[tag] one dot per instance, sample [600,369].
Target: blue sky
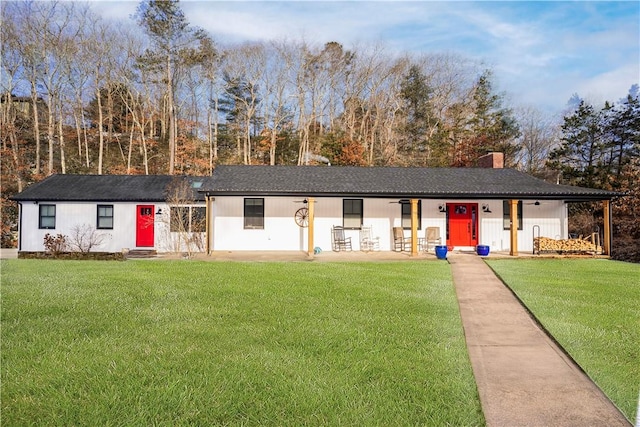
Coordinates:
[541,52]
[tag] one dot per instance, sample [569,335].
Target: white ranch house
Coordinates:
[253,208]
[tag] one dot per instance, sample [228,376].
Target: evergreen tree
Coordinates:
[491,127]
[580,154]
[415,94]
[622,137]
[597,146]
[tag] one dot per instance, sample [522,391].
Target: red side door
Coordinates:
[462,225]
[144,226]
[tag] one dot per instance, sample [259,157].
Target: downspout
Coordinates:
[207,228]
[19,226]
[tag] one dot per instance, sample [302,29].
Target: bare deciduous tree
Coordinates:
[172,36]
[186,221]
[539,136]
[85,237]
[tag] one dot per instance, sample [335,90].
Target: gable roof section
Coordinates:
[313,181]
[391,182]
[105,188]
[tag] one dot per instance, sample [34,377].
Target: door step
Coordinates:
[142,253]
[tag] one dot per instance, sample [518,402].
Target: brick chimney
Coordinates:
[491,160]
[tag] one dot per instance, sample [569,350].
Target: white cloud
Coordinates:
[610,85]
[114,10]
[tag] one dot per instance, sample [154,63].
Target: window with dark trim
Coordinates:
[506,215]
[179,219]
[352,213]
[254,213]
[47,217]
[187,219]
[405,209]
[105,217]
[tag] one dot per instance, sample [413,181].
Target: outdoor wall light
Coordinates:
[159,211]
[442,208]
[485,208]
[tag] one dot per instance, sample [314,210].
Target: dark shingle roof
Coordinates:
[313,181]
[391,182]
[105,188]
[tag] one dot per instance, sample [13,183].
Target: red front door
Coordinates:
[144,226]
[462,224]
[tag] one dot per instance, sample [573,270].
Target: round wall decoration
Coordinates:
[302,217]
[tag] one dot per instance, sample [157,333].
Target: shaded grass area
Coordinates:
[592,307]
[202,343]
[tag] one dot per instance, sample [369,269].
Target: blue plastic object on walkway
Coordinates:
[482,250]
[441,252]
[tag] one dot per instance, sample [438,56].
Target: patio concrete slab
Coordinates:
[524,378]
[8,253]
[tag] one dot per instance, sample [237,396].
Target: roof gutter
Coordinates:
[447,196]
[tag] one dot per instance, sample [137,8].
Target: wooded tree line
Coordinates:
[600,148]
[155,95]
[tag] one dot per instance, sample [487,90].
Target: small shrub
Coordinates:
[55,245]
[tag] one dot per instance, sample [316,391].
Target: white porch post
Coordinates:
[310,228]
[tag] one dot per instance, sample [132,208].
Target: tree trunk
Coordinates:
[247,144]
[36,124]
[215,134]
[100,134]
[86,142]
[172,118]
[76,120]
[130,152]
[63,160]
[272,147]
[10,120]
[50,135]
[143,139]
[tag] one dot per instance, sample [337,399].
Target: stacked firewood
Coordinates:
[546,244]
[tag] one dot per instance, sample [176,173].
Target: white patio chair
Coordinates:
[367,241]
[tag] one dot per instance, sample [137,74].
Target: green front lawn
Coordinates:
[592,307]
[215,343]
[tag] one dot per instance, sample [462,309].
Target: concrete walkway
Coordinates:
[8,253]
[523,377]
